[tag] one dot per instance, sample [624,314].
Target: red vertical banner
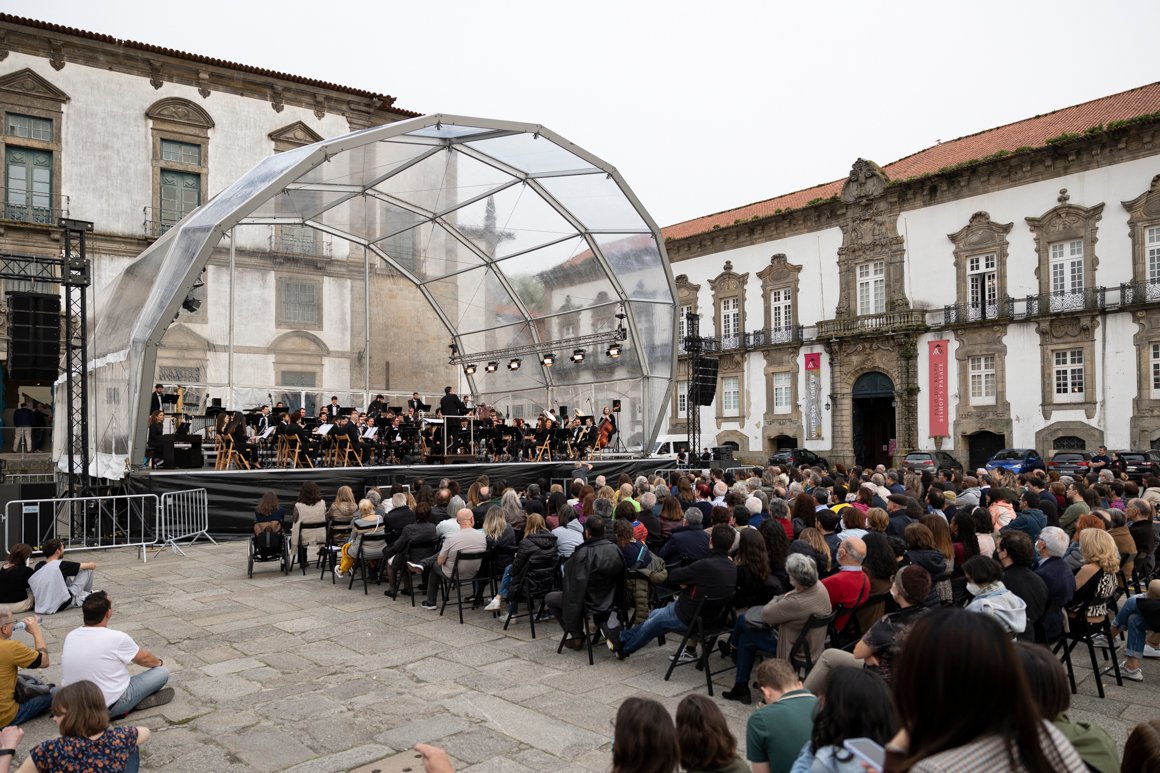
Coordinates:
[939,400]
[814,361]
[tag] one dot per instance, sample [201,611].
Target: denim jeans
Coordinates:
[32,708]
[141,686]
[661,621]
[748,641]
[1128,619]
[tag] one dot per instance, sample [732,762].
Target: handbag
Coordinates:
[28,687]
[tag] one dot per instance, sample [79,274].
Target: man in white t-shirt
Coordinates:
[101,655]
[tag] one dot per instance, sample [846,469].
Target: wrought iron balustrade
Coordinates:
[24,206]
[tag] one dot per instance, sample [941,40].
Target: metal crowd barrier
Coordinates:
[84,523]
[664,472]
[183,515]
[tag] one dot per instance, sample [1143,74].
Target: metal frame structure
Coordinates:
[694,347]
[72,272]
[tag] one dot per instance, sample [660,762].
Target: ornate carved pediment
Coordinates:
[779,272]
[296,133]
[870,232]
[866,180]
[179,110]
[728,281]
[686,291]
[27,82]
[980,233]
[1063,329]
[1066,221]
[1145,206]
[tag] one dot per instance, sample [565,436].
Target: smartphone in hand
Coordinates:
[867,751]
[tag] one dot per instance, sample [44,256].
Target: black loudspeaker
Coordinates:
[563,412]
[706,376]
[34,338]
[616,406]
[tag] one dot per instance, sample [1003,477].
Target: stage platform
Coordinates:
[233,494]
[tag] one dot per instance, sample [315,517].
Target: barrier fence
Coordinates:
[183,515]
[84,523]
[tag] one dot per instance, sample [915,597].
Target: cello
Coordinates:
[604,432]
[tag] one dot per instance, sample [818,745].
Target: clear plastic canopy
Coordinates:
[517,240]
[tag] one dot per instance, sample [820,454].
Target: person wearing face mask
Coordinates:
[992,597]
[878,648]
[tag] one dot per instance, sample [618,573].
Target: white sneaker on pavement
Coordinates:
[1151,652]
[493,605]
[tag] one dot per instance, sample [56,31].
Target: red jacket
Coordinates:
[847,589]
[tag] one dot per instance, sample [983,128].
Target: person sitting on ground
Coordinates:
[776,732]
[644,738]
[367,522]
[704,739]
[1142,750]
[310,508]
[441,566]
[14,656]
[14,576]
[593,579]
[688,542]
[712,579]
[100,654]
[1049,688]
[856,705]
[538,546]
[418,532]
[993,598]
[775,627]
[268,515]
[1137,615]
[878,648]
[948,723]
[58,584]
[86,741]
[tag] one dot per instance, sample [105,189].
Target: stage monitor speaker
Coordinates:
[616,406]
[34,338]
[563,412]
[706,376]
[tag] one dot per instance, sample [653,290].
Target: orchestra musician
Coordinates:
[414,405]
[263,420]
[236,429]
[450,404]
[155,401]
[152,442]
[376,407]
[334,409]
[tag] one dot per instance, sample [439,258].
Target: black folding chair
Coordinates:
[458,581]
[1081,631]
[336,537]
[370,548]
[301,550]
[416,552]
[801,655]
[536,581]
[712,619]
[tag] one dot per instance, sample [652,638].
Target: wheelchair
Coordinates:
[269,546]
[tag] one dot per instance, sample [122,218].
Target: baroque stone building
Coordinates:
[133,137]
[998,290]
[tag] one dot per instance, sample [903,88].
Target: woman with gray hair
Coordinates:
[774,628]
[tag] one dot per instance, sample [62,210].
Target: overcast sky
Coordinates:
[702,106]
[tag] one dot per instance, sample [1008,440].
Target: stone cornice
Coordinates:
[1082,154]
[61,49]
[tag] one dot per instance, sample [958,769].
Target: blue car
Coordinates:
[1016,460]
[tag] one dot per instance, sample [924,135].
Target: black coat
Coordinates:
[537,552]
[688,543]
[714,577]
[398,518]
[594,575]
[412,532]
[1029,586]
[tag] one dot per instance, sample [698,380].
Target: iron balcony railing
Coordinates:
[1088,299]
[23,206]
[773,337]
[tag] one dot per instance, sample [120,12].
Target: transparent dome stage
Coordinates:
[391,260]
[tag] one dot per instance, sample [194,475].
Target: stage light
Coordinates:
[191,304]
[548,360]
[578,355]
[469,369]
[515,363]
[491,367]
[614,351]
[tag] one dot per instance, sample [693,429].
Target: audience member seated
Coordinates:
[1137,616]
[344,508]
[949,723]
[310,508]
[776,732]
[398,515]
[856,705]
[58,584]
[569,533]
[86,741]
[14,575]
[849,586]
[1058,578]
[99,654]
[688,542]
[1052,694]
[268,515]
[1142,751]
[1017,557]
[367,522]
[422,530]
[755,585]
[775,627]
[593,577]
[441,566]
[644,569]
[644,739]
[992,597]
[14,656]
[538,545]
[703,736]
[713,578]
[1096,579]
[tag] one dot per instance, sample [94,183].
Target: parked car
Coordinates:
[796,457]
[1016,460]
[1141,464]
[932,461]
[1077,464]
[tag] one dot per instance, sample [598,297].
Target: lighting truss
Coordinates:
[592,341]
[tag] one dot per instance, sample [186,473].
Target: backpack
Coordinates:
[29,686]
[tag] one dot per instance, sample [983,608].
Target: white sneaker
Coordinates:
[338,573]
[685,656]
[1131,674]
[493,605]
[1151,652]
[415,568]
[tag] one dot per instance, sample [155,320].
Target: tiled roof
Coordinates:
[1028,133]
[386,101]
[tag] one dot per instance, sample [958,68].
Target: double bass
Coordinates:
[604,432]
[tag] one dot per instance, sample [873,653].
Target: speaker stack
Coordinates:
[34,338]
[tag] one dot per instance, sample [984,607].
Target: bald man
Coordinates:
[466,539]
[849,586]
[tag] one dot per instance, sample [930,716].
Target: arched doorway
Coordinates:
[981,446]
[873,419]
[783,443]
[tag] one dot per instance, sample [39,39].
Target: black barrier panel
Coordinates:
[233,494]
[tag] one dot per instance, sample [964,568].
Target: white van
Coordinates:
[667,446]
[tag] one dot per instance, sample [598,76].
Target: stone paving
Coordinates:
[291,673]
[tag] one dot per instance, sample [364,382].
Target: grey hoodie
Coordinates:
[1003,605]
[968,497]
[569,537]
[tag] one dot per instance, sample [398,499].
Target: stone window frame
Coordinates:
[677,423]
[26,92]
[176,120]
[729,285]
[688,294]
[732,365]
[1045,438]
[1152,372]
[1066,222]
[288,137]
[978,238]
[1060,333]
[298,351]
[871,277]
[778,276]
[1143,214]
[1067,360]
[724,405]
[771,381]
[983,399]
[280,319]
